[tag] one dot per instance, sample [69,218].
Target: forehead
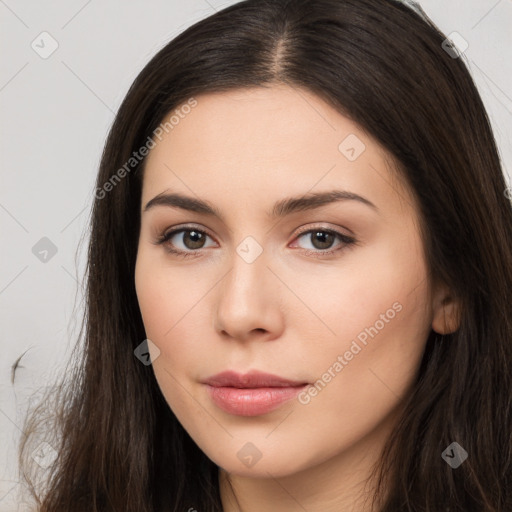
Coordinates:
[266,140]
[245,120]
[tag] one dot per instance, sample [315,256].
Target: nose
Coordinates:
[248,301]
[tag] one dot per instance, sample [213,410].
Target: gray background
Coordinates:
[56,112]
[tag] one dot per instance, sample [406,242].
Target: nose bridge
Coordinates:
[246,299]
[247,278]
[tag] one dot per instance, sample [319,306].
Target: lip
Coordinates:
[252,393]
[252,379]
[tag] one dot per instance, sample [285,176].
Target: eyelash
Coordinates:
[164,238]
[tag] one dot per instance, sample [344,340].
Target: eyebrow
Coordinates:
[280,209]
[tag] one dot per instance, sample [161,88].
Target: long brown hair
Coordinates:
[120,447]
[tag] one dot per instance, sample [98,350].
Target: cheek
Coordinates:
[362,373]
[153,301]
[164,293]
[372,322]
[165,319]
[170,305]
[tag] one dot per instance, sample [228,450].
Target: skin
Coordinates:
[288,312]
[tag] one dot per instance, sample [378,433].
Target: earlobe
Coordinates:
[446,313]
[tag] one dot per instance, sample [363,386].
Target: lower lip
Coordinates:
[251,401]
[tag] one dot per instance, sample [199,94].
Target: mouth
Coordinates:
[251,394]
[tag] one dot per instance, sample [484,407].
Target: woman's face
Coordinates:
[278,276]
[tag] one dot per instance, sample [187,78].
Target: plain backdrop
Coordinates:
[56,111]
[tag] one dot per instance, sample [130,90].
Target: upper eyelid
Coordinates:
[192,227]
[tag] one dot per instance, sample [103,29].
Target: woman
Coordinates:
[227,365]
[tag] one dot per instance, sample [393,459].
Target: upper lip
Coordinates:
[252,379]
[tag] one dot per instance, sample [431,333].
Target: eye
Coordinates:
[183,241]
[186,241]
[322,239]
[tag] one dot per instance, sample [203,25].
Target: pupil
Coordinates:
[325,239]
[196,244]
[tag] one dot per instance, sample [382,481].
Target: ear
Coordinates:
[446,311]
